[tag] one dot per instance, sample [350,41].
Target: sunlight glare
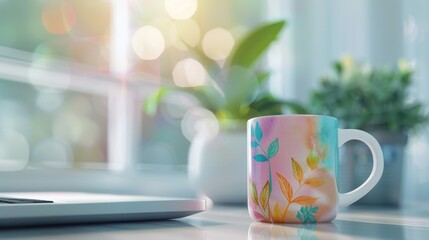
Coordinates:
[148,43]
[181,9]
[218,43]
[59,19]
[189,73]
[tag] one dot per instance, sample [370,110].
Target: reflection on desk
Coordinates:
[307,231]
[234,223]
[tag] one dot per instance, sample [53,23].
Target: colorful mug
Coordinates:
[293,168]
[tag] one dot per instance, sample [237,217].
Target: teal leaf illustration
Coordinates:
[254,144]
[258,132]
[273,148]
[305,214]
[252,131]
[260,158]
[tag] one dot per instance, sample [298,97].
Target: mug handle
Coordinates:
[345,135]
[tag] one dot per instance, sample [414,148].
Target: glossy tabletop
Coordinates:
[234,223]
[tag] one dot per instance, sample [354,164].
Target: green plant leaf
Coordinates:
[354,96]
[252,46]
[260,158]
[150,105]
[208,97]
[258,132]
[267,104]
[273,148]
[240,88]
[262,77]
[254,144]
[210,65]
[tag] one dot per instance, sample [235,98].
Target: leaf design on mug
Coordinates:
[298,174]
[260,158]
[285,187]
[277,215]
[312,160]
[305,214]
[315,181]
[265,195]
[253,192]
[258,216]
[305,200]
[273,149]
[258,132]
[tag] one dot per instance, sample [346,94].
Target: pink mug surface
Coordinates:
[293,169]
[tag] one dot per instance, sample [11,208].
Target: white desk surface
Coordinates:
[234,223]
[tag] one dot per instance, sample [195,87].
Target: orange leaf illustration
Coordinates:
[253,192]
[312,160]
[265,195]
[315,181]
[297,171]
[285,187]
[277,215]
[305,200]
[323,152]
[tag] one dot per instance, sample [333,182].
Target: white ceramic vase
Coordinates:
[217,166]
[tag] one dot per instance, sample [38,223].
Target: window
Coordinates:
[74,74]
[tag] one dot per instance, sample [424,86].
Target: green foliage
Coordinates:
[364,97]
[255,44]
[237,89]
[305,214]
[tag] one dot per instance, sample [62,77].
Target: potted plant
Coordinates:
[236,92]
[376,100]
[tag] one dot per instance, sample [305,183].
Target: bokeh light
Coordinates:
[39,73]
[181,9]
[93,18]
[49,101]
[218,43]
[183,33]
[59,18]
[148,43]
[189,73]
[80,130]
[178,103]
[52,153]
[14,150]
[199,121]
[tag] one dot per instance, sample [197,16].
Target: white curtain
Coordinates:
[378,32]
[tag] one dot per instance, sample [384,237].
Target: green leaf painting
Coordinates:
[258,132]
[305,214]
[273,148]
[260,158]
[254,144]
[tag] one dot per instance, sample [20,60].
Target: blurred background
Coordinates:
[75,74]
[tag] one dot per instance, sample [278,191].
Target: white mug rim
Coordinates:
[293,116]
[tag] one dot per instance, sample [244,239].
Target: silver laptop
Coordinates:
[29,209]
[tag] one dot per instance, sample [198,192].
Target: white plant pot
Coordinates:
[217,166]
